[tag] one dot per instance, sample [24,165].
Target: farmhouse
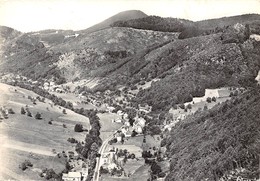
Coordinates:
[72,176]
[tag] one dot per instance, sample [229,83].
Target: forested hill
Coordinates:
[187,28]
[210,144]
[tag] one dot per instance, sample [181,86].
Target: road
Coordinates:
[99,159]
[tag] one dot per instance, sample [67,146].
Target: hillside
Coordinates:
[77,57]
[211,144]
[187,28]
[122,16]
[23,137]
[201,62]
[123,56]
[152,69]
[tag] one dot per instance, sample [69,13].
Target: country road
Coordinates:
[99,159]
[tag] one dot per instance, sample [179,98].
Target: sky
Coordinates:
[34,15]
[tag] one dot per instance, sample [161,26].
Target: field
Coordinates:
[107,127]
[23,137]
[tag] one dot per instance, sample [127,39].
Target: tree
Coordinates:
[134,133]
[214,99]
[155,130]
[182,106]
[22,111]
[189,106]
[64,111]
[155,168]
[78,128]
[208,99]
[38,116]
[10,111]
[29,114]
[205,107]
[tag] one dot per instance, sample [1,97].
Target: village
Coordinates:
[126,146]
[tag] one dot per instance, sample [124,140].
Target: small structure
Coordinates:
[72,176]
[120,113]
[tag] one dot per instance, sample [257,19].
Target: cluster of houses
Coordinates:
[52,87]
[79,171]
[127,129]
[76,175]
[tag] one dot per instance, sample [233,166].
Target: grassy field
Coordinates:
[23,137]
[107,127]
[138,141]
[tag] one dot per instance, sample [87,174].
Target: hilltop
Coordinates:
[122,16]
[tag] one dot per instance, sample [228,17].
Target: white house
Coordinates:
[120,113]
[71,176]
[125,116]
[139,121]
[110,108]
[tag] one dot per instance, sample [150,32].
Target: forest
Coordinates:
[210,144]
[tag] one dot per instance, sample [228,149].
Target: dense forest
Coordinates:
[214,142]
[155,23]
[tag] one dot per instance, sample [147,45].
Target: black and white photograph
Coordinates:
[129,90]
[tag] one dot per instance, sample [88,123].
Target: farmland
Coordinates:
[37,140]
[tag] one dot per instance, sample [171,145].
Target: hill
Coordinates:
[213,144]
[122,16]
[7,33]
[23,137]
[187,28]
[160,63]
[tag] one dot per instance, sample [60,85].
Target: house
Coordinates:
[71,176]
[128,133]
[107,92]
[139,122]
[59,90]
[110,109]
[145,108]
[84,173]
[118,120]
[127,123]
[120,113]
[125,116]
[138,129]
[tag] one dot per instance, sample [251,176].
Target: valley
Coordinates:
[135,97]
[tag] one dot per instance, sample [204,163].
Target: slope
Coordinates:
[122,16]
[211,144]
[187,67]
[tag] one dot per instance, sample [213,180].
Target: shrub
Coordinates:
[189,106]
[214,99]
[205,107]
[182,106]
[134,133]
[156,169]
[64,111]
[72,140]
[208,99]
[24,165]
[22,111]
[38,116]
[161,174]
[10,111]
[78,128]
[29,114]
